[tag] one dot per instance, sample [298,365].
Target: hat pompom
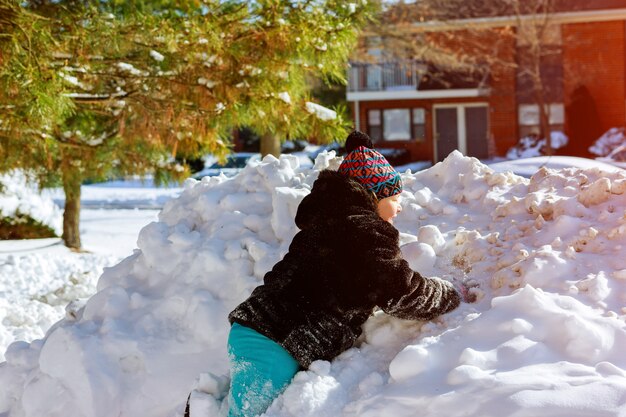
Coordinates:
[357,139]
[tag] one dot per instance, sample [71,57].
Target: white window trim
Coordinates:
[416,94]
[553,108]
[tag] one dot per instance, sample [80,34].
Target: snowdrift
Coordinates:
[19,196]
[545,337]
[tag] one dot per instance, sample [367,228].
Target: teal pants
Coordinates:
[260,370]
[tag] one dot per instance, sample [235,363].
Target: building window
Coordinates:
[419,124]
[530,124]
[375,125]
[397,124]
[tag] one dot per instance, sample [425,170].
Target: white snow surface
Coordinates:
[39,277]
[545,337]
[130,193]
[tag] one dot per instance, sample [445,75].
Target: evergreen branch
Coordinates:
[82,144]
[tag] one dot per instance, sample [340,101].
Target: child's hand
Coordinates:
[465,289]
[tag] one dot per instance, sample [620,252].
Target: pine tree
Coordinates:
[92,89]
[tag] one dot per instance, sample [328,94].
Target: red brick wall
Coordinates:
[502,102]
[593,58]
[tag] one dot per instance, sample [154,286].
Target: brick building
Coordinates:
[585,86]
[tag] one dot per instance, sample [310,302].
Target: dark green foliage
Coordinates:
[23,227]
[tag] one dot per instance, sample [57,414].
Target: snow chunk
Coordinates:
[156,56]
[284,96]
[321,112]
[124,66]
[421,256]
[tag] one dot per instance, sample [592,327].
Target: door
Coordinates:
[476,131]
[463,127]
[446,132]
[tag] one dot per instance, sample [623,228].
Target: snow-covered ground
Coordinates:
[39,277]
[132,193]
[545,337]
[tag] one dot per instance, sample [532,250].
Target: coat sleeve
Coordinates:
[423,299]
[402,292]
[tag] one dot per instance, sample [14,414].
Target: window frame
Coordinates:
[557,119]
[377,131]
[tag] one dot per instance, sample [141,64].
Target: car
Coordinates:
[395,156]
[234,164]
[526,167]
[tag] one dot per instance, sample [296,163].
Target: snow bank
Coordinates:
[611,139]
[19,195]
[531,146]
[544,337]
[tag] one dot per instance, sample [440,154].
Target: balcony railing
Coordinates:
[385,76]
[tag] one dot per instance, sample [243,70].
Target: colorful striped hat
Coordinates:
[369,167]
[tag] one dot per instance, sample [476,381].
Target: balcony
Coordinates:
[398,80]
[385,76]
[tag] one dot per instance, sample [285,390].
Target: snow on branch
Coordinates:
[320,112]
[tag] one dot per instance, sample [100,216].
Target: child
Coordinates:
[344,262]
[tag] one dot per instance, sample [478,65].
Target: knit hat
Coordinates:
[369,167]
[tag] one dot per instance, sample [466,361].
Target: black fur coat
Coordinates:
[344,262]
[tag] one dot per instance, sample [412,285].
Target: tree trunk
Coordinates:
[71,213]
[270,144]
[544,121]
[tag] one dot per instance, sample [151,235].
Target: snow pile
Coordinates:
[543,338]
[19,196]
[530,146]
[611,139]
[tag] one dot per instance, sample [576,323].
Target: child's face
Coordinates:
[389,207]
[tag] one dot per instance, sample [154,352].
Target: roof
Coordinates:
[490,14]
[477,9]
